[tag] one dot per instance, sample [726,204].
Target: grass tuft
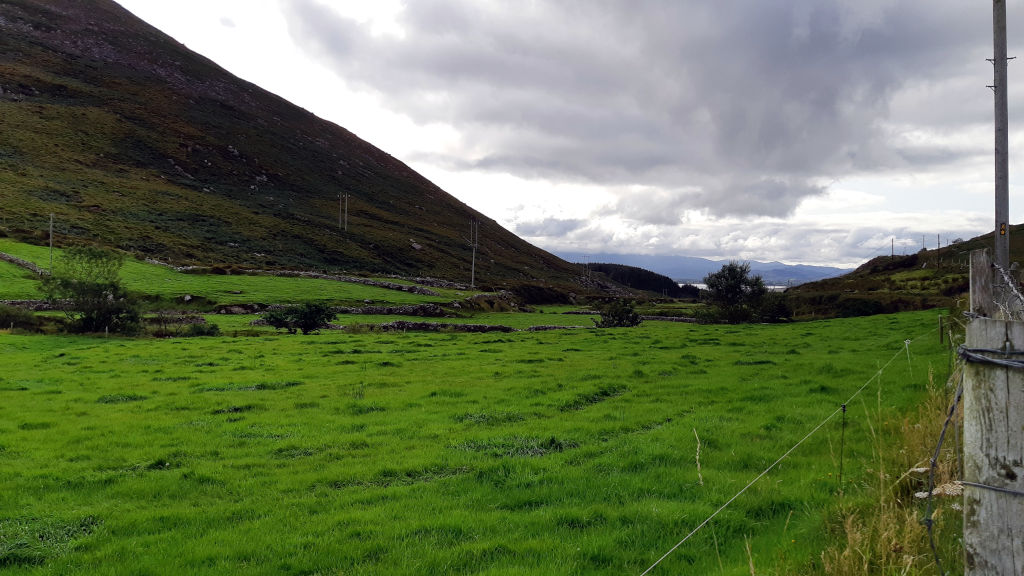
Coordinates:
[588,399]
[120,398]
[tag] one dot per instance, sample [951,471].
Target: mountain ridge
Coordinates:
[691,269]
[134,142]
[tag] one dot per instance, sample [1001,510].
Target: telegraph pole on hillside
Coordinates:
[474,242]
[1002,179]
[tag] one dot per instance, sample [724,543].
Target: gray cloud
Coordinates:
[550,227]
[768,240]
[733,108]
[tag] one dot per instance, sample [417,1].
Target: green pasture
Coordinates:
[161,281]
[231,324]
[17,283]
[565,452]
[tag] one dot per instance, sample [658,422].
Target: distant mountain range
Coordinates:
[691,269]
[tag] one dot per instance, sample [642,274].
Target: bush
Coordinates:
[618,314]
[202,330]
[280,318]
[173,324]
[307,317]
[851,307]
[774,308]
[12,317]
[85,284]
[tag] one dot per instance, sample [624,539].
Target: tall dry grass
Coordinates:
[881,531]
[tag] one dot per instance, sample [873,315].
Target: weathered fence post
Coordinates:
[982,302]
[994,450]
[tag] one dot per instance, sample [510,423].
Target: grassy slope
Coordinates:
[134,142]
[927,279]
[17,283]
[569,453]
[156,280]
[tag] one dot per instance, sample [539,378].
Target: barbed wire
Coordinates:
[966,355]
[928,521]
[1009,301]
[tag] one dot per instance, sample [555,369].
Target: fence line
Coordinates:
[877,374]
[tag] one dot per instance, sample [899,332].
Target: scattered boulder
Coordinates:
[423,310]
[240,308]
[407,326]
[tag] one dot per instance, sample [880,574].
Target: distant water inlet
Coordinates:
[702,286]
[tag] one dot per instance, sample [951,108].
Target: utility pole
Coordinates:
[51,243]
[474,241]
[1002,143]
[343,209]
[993,398]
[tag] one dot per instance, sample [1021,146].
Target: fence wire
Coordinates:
[877,375]
[1009,301]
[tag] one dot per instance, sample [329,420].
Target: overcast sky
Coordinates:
[805,131]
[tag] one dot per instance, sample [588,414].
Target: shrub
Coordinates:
[172,324]
[12,317]
[279,318]
[307,317]
[202,330]
[85,284]
[618,314]
[850,307]
[774,308]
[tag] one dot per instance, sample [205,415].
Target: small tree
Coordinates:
[85,283]
[307,317]
[618,314]
[734,295]
[280,318]
[774,308]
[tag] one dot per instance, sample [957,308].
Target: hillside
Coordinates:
[927,279]
[645,280]
[134,142]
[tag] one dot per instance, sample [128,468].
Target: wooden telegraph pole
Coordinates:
[1002,143]
[994,374]
[474,242]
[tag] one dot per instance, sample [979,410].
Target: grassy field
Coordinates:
[568,452]
[161,281]
[17,283]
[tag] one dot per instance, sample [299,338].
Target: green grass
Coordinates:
[155,280]
[17,283]
[242,323]
[569,452]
